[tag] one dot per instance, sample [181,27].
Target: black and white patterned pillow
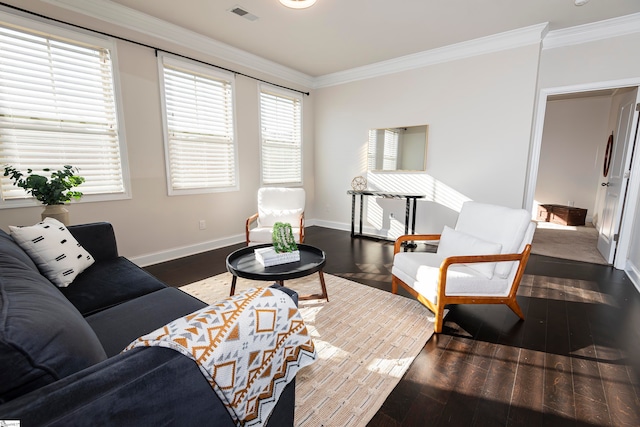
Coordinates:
[55,251]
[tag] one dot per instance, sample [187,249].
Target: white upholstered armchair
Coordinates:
[481,261]
[276,204]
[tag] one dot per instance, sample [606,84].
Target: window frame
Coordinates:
[265,87]
[71,36]
[212,72]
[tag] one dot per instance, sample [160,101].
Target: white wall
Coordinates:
[479,112]
[575,134]
[152,226]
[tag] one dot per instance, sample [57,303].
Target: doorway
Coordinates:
[571,132]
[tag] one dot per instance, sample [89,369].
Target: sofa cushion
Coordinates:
[420,271]
[499,224]
[108,283]
[454,243]
[42,336]
[118,326]
[52,247]
[280,205]
[10,248]
[259,235]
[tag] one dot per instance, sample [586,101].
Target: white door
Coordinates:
[616,181]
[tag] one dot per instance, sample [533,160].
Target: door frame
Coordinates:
[633,188]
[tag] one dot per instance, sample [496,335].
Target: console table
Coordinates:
[388,195]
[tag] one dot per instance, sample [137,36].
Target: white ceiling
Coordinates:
[338,35]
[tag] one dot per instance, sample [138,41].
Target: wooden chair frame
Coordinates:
[443,299]
[253,218]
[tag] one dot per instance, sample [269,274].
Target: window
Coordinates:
[390,152]
[199,127]
[57,107]
[372,150]
[281,132]
[383,141]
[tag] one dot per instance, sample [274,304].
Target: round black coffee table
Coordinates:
[243,263]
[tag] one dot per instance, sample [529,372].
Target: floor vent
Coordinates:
[238,10]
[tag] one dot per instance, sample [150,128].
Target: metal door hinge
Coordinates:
[615,237]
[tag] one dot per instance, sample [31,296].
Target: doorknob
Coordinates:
[605,184]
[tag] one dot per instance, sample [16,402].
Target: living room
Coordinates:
[482,101]
[501,93]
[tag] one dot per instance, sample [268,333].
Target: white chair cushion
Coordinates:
[276,204]
[420,271]
[264,235]
[454,243]
[498,224]
[55,251]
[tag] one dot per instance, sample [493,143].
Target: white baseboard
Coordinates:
[634,274]
[180,252]
[184,251]
[332,224]
[369,231]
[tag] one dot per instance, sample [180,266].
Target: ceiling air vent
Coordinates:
[240,11]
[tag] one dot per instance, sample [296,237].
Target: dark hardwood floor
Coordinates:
[575,360]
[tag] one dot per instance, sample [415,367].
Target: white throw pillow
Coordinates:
[454,243]
[55,251]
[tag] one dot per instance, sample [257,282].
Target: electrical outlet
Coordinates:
[202,224]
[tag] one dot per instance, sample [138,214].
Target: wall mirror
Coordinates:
[398,149]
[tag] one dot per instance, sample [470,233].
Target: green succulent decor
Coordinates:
[282,237]
[53,190]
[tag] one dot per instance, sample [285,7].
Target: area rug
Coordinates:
[365,338]
[578,243]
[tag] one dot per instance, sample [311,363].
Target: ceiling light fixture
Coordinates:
[298,4]
[580,2]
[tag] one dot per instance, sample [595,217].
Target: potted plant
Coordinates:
[53,191]
[284,249]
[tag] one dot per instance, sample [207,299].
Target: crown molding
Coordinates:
[502,41]
[117,14]
[600,30]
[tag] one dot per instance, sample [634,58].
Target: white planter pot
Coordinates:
[58,212]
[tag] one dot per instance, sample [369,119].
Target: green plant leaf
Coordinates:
[53,190]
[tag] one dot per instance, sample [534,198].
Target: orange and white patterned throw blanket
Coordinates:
[248,346]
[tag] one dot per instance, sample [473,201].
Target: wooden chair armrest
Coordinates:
[467,259]
[412,237]
[251,219]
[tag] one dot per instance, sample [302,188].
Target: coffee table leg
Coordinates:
[233,285]
[324,287]
[324,293]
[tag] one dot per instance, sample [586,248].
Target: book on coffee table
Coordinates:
[269,257]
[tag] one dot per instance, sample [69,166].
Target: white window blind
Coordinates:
[200,144]
[390,153]
[281,129]
[57,107]
[372,150]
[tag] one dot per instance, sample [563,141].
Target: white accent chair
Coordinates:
[481,261]
[276,204]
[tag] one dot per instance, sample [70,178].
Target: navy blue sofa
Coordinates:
[60,348]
